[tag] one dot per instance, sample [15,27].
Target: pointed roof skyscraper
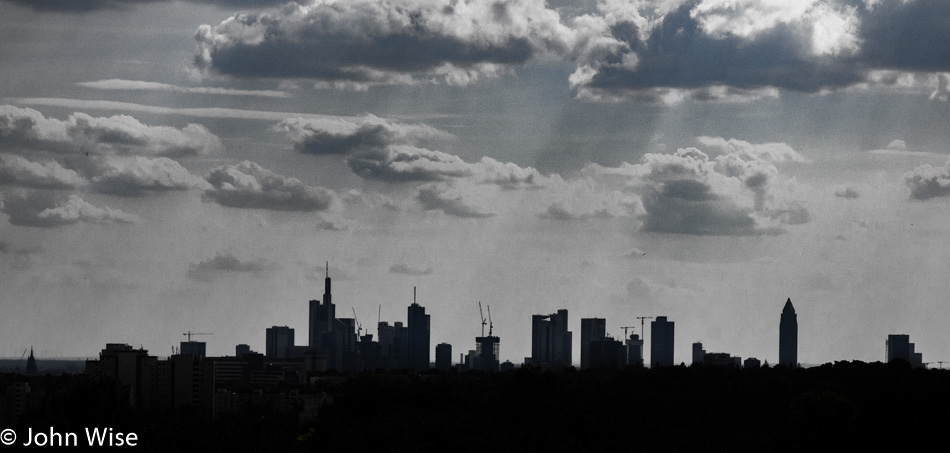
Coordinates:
[788,336]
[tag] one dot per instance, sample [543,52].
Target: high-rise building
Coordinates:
[241,349]
[591,329]
[418,325]
[443,356]
[195,348]
[788,336]
[393,345]
[698,353]
[900,347]
[321,316]
[661,339]
[550,340]
[279,341]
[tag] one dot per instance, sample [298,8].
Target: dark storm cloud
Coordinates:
[248,185]
[47,210]
[678,53]
[432,198]
[406,269]
[367,42]
[926,182]
[909,36]
[224,263]
[714,49]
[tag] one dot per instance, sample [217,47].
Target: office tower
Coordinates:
[321,316]
[241,349]
[788,336]
[591,329]
[635,350]
[698,353]
[900,347]
[279,340]
[195,348]
[661,339]
[550,340]
[418,324]
[393,345]
[443,356]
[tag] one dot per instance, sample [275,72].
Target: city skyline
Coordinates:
[178,166]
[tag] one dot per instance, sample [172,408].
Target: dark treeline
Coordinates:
[844,406]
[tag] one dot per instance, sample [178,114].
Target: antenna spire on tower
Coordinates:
[328,269]
[413,295]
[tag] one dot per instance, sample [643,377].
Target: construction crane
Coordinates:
[940,363]
[190,333]
[359,327]
[20,362]
[482,315]
[625,330]
[642,323]
[490,325]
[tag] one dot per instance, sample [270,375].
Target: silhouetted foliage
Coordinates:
[841,406]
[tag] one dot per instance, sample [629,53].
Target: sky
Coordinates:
[192,165]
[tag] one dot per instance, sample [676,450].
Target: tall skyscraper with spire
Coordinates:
[788,336]
[418,327]
[322,315]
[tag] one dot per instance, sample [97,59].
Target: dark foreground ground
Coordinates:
[846,406]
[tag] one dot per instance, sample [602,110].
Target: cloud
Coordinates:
[928,182]
[120,134]
[389,151]
[17,171]
[362,43]
[718,49]
[47,210]
[204,112]
[224,263]
[86,6]
[449,199]
[847,192]
[138,85]
[248,185]
[775,153]
[406,269]
[347,136]
[136,176]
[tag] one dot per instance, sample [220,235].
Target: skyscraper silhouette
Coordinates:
[592,329]
[788,336]
[550,340]
[661,342]
[278,341]
[418,325]
[321,316]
